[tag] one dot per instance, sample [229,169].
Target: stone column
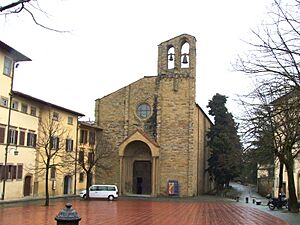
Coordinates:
[121,176]
[154,176]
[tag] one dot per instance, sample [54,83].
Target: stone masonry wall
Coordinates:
[109,114]
[142,91]
[116,115]
[174,134]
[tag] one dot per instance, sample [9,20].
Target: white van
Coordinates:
[101,191]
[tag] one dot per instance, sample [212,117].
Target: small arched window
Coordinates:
[185,57]
[171,58]
[143,110]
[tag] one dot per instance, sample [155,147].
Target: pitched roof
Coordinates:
[14,54]
[204,113]
[145,135]
[145,77]
[295,92]
[90,124]
[20,94]
[179,36]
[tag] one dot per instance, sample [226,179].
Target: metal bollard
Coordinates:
[68,216]
[237,198]
[247,199]
[253,201]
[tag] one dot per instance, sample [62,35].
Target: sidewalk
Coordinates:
[253,197]
[33,200]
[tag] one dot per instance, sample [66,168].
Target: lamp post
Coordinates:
[8,127]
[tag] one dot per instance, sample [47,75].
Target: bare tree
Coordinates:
[274,62]
[51,153]
[29,7]
[281,118]
[274,57]
[95,158]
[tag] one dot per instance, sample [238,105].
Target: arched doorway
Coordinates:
[139,159]
[137,165]
[67,185]
[27,185]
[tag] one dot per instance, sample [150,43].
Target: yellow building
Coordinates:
[285,178]
[155,130]
[88,140]
[287,128]
[15,158]
[22,119]
[62,123]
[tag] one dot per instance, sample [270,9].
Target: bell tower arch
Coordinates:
[180,51]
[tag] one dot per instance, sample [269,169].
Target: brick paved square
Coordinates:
[140,212]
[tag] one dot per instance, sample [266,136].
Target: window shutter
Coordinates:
[81,177]
[34,140]
[7,66]
[80,156]
[16,137]
[20,171]
[1,172]
[9,135]
[81,137]
[2,133]
[52,171]
[7,170]
[57,141]
[51,142]
[22,138]
[28,139]
[67,146]
[92,137]
[85,137]
[91,157]
[13,172]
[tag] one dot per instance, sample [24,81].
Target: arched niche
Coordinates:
[185,55]
[171,57]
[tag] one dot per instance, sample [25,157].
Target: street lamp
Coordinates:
[8,127]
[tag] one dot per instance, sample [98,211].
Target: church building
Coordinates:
[155,130]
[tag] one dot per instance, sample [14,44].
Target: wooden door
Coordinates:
[27,186]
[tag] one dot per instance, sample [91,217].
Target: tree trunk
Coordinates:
[46,186]
[280,177]
[88,184]
[293,202]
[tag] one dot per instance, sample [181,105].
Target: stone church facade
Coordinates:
[155,130]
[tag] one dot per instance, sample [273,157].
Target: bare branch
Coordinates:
[13,5]
[30,7]
[41,25]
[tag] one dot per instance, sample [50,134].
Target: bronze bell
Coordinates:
[171,57]
[184,60]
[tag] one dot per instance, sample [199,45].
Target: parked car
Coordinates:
[101,191]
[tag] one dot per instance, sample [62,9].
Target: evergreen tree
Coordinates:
[226,154]
[260,148]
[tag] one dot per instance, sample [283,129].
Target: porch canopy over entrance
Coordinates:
[138,165]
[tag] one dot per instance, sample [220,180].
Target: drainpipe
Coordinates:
[76,152]
[75,177]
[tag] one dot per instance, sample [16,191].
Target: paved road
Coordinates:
[250,192]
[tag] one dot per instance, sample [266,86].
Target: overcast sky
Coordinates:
[114,43]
